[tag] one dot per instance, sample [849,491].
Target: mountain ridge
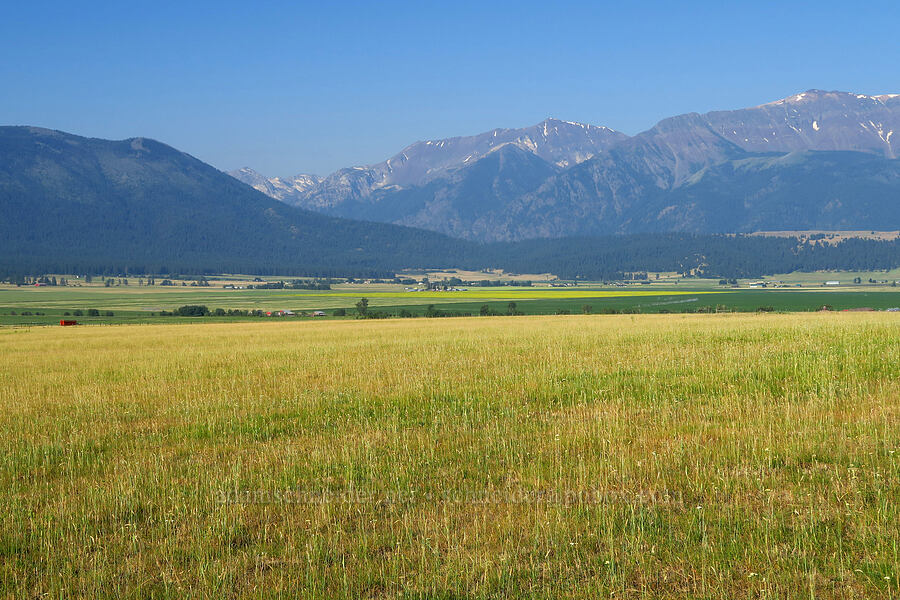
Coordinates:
[85,205]
[610,190]
[560,142]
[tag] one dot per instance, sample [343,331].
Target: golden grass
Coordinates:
[715,456]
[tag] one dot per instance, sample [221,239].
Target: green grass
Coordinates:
[138,305]
[737,300]
[845,277]
[634,456]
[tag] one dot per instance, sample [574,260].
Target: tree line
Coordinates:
[588,258]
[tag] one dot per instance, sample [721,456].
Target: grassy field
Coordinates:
[628,456]
[133,304]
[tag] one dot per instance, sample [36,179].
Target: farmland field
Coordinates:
[133,304]
[629,456]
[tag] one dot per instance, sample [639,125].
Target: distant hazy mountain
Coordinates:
[280,188]
[561,143]
[800,190]
[455,202]
[724,171]
[661,180]
[88,205]
[677,147]
[815,120]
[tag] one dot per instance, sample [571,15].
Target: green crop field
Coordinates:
[133,304]
[845,278]
[500,294]
[584,456]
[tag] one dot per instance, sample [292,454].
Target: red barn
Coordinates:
[65,323]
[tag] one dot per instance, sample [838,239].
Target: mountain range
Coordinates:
[71,204]
[817,159]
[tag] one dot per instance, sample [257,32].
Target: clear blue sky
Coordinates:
[309,87]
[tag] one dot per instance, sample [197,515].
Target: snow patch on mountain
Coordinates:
[280,188]
[673,150]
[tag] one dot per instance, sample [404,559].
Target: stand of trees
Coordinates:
[596,258]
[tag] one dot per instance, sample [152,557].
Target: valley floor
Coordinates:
[120,304]
[635,456]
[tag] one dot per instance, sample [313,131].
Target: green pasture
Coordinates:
[132,304]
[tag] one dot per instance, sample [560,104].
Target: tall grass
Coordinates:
[715,456]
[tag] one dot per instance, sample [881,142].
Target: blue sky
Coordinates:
[310,87]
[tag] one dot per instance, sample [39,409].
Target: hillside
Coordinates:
[800,190]
[455,203]
[87,204]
